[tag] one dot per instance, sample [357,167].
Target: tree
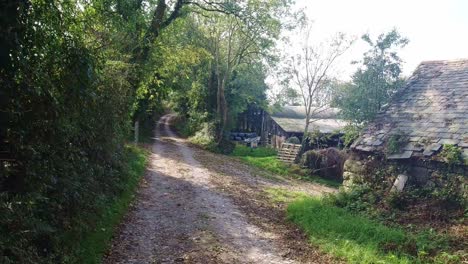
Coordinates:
[310,71]
[244,19]
[235,41]
[376,80]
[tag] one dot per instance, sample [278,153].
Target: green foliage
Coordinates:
[452,154]
[451,190]
[375,81]
[401,209]
[311,159]
[280,195]
[73,77]
[396,142]
[265,159]
[205,137]
[96,241]
[67,107]
[359,198]
[352,237]
[244,151]
[351,133]
[396,200]
[357,239]
[247,87]
[293,140]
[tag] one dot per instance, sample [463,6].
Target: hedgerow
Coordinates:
[65,116]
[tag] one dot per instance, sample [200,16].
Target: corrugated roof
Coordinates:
[299,112]
[430,111]
[298,124]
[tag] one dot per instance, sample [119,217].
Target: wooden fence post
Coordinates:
[137,130]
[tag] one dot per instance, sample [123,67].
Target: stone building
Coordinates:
[421,134]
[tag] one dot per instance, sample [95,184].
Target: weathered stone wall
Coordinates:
[354,171]
[380,173]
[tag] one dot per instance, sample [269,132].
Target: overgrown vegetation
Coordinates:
[95,241]
[266,159]
[338,227]
[317,140]
[452,154]
[328,163]
[438,207]
[396,142]
[86,237]
[351,133]
[358,239]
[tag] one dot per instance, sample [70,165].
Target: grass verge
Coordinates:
[358,239]
[95,243]
[265,158]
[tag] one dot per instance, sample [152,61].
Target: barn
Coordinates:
[289,121]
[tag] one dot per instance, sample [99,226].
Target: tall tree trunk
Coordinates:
[304,139]
[222,106]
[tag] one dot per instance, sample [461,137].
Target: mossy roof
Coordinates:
[430,111]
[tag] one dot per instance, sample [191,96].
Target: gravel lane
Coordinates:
[189,209]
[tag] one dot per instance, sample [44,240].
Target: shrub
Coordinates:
[205,137]
[357,198]
[225,146]
[311,159]
[66,119]
[396,142]
[351,133]
[451,190]
[189,125]
[293,140]
[326,162]
[452,154]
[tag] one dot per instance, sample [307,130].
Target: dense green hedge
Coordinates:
[65,117]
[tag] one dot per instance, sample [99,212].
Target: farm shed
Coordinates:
[287,122]
[423,132]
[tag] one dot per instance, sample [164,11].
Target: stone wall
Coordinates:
[354,170]
[379,173]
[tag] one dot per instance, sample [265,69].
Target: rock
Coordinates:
[404,155]
[348,175]
[399,183]
[354,166]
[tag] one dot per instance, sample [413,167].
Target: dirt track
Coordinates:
[197,207]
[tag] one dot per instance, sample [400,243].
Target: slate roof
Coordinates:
[292,119]
[430,111]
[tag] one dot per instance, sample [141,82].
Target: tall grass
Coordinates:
[358,239]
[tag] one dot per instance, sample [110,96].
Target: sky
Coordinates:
[437,30]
